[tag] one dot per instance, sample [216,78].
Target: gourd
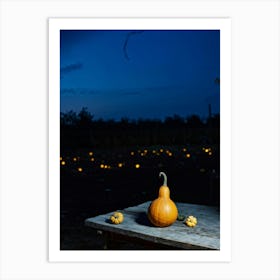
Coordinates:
[117,218]
[191,221]
[163,212]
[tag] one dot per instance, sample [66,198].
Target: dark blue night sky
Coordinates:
[140,74]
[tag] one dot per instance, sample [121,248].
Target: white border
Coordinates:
[222,24]
[255,101]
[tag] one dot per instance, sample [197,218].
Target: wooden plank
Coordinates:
[206,235]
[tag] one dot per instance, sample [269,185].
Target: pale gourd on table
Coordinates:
[191,221]
[117,218]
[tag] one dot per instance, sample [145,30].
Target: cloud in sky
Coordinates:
[70,68]
[119,92]
[132,33]
[77,91]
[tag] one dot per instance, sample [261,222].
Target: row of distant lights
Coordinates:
[137,165]
[158,153]
[103,166]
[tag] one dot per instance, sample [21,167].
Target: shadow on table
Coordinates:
[142,219]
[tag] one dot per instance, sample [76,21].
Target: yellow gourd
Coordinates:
[191,221]
[162,211]
[117,218]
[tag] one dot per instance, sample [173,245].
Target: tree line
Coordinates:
[82,131]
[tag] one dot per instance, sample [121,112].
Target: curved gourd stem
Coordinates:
[164,178]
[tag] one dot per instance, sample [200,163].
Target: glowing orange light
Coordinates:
[90,153]
[63,163]
[92,159]
[60,158]
[102,165]
[120,165]
[74,159]
[184,150]
[210,153]
[137,165]
[80,169]
[188,155]
[132,153]
[153,151]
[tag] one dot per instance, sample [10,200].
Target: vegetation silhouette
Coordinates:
[82,130]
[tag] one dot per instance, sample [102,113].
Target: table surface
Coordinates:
[206,234]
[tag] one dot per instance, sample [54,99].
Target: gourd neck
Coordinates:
[164,190]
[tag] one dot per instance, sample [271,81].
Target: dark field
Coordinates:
[98,181]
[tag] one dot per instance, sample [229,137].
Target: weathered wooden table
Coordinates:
[137,227]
